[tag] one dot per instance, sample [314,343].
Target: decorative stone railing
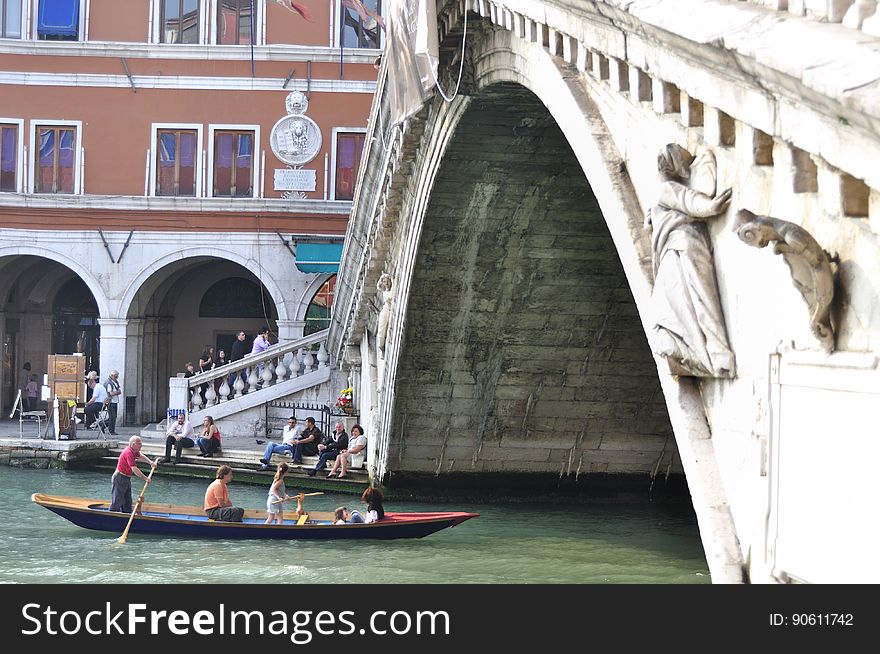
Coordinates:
[279,363]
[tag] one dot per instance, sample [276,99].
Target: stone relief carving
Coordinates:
[810,265]
[384,286]
[296,138]
[689,330]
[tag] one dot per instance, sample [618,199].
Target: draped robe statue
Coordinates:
[689,329]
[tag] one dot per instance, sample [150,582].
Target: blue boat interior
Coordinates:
[203,518]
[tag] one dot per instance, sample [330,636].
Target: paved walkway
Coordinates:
[10,429]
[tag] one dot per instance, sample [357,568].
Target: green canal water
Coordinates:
[515,543]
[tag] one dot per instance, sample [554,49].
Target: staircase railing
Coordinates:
[278,363]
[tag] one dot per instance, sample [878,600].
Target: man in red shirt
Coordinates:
[120,493]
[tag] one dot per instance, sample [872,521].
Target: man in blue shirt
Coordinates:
[96,402]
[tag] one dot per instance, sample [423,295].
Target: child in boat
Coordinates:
[277,495]
[340,515]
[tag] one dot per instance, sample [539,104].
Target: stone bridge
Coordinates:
[498,306]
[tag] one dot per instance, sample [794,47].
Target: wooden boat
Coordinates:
[191,521]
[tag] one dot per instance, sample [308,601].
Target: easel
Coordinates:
[30,415]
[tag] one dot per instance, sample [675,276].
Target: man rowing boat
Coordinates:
[126,466]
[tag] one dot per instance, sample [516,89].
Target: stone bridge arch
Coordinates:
[597,404]
[792,137]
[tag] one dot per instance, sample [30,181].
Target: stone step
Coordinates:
[241,459]
[296,479]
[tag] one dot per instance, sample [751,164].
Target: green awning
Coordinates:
[318,257]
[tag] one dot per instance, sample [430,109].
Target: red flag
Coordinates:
[364,12]
[298,7]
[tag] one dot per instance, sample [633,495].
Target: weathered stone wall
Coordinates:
[523,349]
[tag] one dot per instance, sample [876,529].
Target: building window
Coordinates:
[234,24]
[176,161]
[233,164]
[58,20]
[359,25]
[179,21]
[349,146]
[10,19]
[8,157]
[56,160]
[319,311]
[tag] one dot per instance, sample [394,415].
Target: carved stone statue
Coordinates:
[809,264]
[688,322]
[384,286]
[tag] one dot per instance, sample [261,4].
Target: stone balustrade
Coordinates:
[281,362]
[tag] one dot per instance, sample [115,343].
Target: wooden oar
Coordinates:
[137,504]
[295,497]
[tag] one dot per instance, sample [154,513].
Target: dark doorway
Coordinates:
[75,325]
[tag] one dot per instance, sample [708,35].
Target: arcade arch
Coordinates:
[47,306]
[175,311]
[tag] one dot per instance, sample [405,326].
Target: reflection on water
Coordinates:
[521,543]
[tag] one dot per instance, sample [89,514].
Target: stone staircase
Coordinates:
[299,370]
[245,465]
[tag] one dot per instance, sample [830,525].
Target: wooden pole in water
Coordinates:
[134,509]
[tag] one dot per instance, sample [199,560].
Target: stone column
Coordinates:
[113,336]
[290,330]
[165,367]
[135,362]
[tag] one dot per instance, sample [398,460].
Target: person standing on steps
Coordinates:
[236,354]
[261,344]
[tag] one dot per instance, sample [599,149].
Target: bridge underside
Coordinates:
[523,350]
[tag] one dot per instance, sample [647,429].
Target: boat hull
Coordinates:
[190,522]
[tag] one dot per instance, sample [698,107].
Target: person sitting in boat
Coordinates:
[179,435]
[289,438]
[126,466]
[341,515]
[217,503]
[308,441]
[372,497]
[330,448]
[209,441]
[277,495]
[353,456]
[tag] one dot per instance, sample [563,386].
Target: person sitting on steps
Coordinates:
[179,435]
[308,441]
[209,441]
[289,438]
[330,447]
[354,455]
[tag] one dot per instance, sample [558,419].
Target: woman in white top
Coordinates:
[353,455]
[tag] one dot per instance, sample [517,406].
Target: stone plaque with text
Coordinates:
[290,179]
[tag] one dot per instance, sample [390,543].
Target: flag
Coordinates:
[298,7]
[412,48]
[364,12]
